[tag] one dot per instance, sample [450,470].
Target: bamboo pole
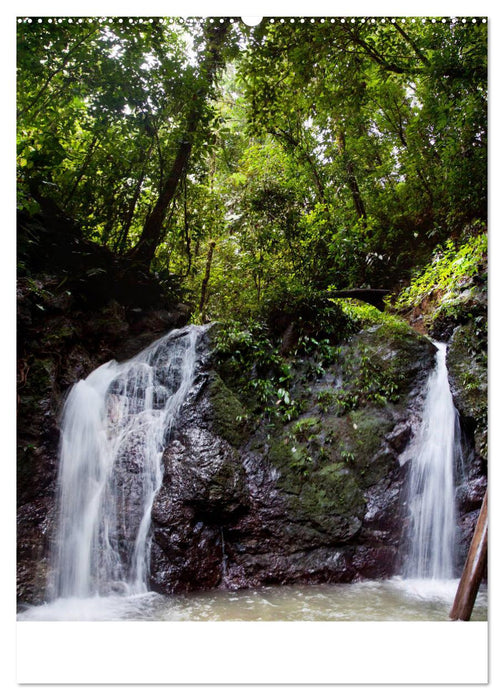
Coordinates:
[473,569]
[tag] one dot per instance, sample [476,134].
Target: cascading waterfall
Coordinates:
[115,425]
[437,451]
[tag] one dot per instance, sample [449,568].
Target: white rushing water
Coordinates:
[432,481]
[114,428]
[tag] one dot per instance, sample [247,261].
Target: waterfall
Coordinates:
[437,451]
[114,428]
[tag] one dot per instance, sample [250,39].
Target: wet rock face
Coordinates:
[203,491]
[467,367]
[34,521]
[319,499]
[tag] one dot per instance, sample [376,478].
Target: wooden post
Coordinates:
[473,569]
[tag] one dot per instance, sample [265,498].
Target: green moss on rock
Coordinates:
[327,500]
[357,439]
[323,496]
[228,414]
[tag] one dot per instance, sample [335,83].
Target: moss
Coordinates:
[288,455]
[228,417]
[383,363]
[305,428]
[321,494]
[329,500]
[357,440]
[334,489]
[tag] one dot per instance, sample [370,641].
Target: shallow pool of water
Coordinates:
[393,600]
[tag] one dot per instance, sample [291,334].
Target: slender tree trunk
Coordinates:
[152,233]
[412,43]
[350,177]
[295,146]
[82,171]
[206,278]
[187,233]
[123,235]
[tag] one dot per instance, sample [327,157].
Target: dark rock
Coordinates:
[383,519]
[317,500]
[400,436]
[467,367]
[466,527]
[470,494]
[34,525]
[203,491]
[374,562]
[320,565]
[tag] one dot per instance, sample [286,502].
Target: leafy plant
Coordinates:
[250,361]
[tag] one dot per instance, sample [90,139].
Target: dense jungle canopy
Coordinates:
[240,164]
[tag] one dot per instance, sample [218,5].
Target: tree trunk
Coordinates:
[152,233]
[204,284]
[187,233]
[85,165]
[350,177]
[295,146]
[123,235]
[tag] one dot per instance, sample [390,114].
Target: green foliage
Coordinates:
[305,429]
[319,321]
[368,379]
[251,363]
[326,400]
[308,175]
[452,266]
[405,105]
[102,108]
[452,288]
[363,315]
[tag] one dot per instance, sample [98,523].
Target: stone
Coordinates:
[319,499]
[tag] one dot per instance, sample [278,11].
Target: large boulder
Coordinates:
[319,498]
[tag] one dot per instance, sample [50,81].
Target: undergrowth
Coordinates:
[452,269]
